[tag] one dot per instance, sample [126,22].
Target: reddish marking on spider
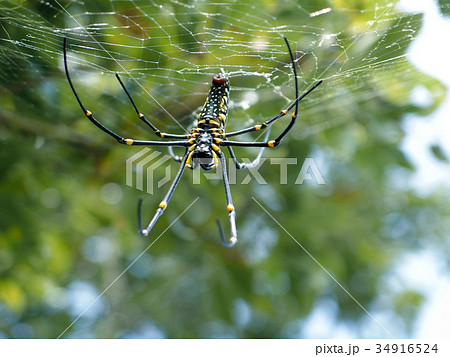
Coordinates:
[219,79]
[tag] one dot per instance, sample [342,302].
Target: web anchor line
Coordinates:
[125,270]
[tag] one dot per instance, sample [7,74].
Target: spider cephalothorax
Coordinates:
[203,143]
[202,152]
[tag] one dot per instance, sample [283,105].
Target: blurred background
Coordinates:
[376,128]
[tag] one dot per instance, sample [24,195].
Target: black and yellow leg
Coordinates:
[230,208]
[270,121]
[119,138]
[216,161]
[189,157]
[152,143]
[163,204]
[264,125]
[254,163]
[265,144]
[269,143]
[174,156]
[145,120]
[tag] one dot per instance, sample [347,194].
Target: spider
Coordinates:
[203,143]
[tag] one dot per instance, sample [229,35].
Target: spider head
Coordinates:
[202,154]
[220,79]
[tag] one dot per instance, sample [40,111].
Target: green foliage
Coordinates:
[444,6]
[59,236]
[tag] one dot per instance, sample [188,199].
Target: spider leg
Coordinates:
[277,141]
[174,156]
[255,162]
[279,115]
[230,208]
[270,143]
[145,120]
[163,204]
[119,138]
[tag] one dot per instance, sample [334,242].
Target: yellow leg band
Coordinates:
[163,204]
[216,160]
[188,161]
[215,147]
[233,240]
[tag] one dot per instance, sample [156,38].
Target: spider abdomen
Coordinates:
[215,110]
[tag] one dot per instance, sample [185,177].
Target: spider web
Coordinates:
[167,52]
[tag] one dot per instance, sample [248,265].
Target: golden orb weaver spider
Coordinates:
[204,141]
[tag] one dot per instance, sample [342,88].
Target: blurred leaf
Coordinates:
[444,6]
[439,154]
[12,295]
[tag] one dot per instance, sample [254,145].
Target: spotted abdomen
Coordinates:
[215,110]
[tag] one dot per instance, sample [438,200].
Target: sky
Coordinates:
[429,55]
